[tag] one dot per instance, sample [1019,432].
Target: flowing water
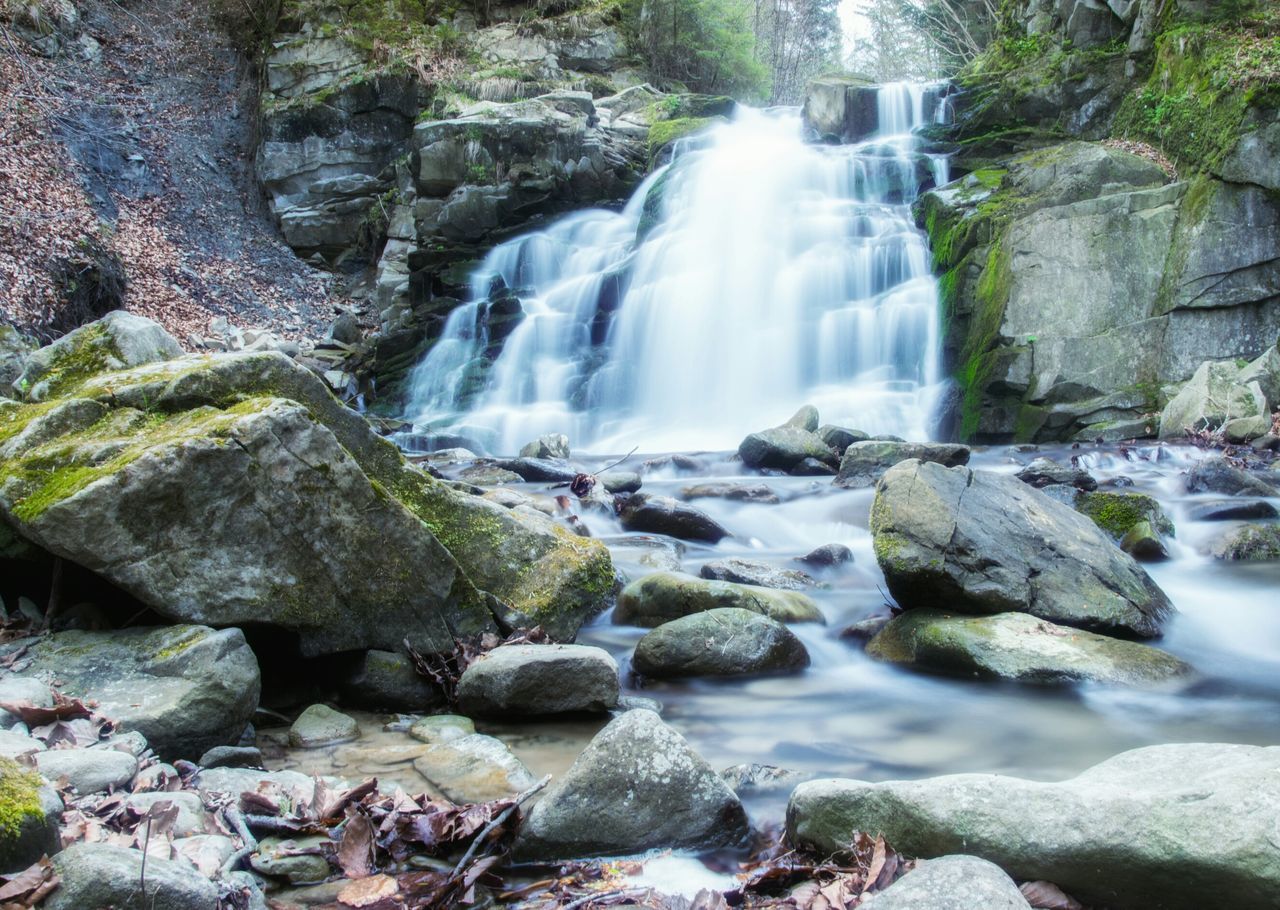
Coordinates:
[768,272]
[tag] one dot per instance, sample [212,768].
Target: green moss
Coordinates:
[86,353]
[19,797]
[665,132]
[1119,513]
[977,356]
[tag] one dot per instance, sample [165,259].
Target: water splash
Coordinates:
[768,273]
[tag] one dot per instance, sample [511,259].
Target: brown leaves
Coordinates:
[29,887]
[1048,896]
[356,849]
[64,708]
[445,669]
[822,885]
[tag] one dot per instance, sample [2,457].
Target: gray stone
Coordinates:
[1254,157]
[87,770]
[664,596]
[207,852]
[840,438]
[1229,510]
[23,689]
[279,857]
[388,679]
[664,515]
[827,555]
[15,348]
[1217,475]
[864,463]
[638,786]
[530,680]
[980,543]
[234,781]
[190,819]
[1212,397]
[487,475]
[951,883]
[102,877]
[552,445]
[720,642]
[474,769]
[184,688]
[735,492]
[33,812]
[319,726]
[1144,543]
[1045,472]
[782,448]
[804,419]
[749,572]
[1251,543]
[1119,513]
[441,728]
[841,108]
[1019,647]
[1181,826]
[621,482]
[14,744]
[231,757]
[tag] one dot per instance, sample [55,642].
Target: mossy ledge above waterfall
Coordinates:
[1116,219]
[234,489]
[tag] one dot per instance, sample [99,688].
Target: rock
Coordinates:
[279,857]
[1250,543]
[841,108]
[234,781]
[15,348]
[474,769]
[1045,472]
[190,818]
[755,776]
[487,475]
[664,515]
[98,876]
[827,555]
[1144,543]
[812,467]
[185,688]
[231,757]
[1216,475]
[17,689]
[951,883]
[977,542]
[804,419]
[13,744]
[1265,370]
[87,770]
[840,438]
[289,520]
[737,492]
[720,642]
[521,680]
[29,827]
[665,596]
[638,786]
[441,728]
[116,341]
[783,448]
[1227,510]
[553,445]
[1018,647]
[1212,397]
[864,463]
[748,572]
[320,725]
[1115,836]
[539,470]
[865,629]
[207,852]
[1120,513]
[387,679]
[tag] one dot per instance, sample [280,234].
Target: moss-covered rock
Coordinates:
[666,596]
[1252,542]
[1120,513]
[29,814]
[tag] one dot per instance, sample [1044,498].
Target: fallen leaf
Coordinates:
[368,892]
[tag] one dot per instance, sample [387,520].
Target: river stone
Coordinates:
[637,786]
[522,680]
[487,475]
[1144,543]
[14,744]
[19,689]
[207,852]
[98,877]
[1120,513]
[664,515]
[664,596]
[32,812]
[388,680]
[864,463]
[1216,475]
[737,492]
[838,439]
[722,642]
[841,108]
[1253,542]
[978,542]
[827,555]
[185,688]
[620,482]
[474,769]
[552,445]
[190,819]
[782,448]
[749,572]
[804,419]
[1045,472]
[1213,396]
[1015,646]
[279,857]
[234,781]
[441,728]
[1181,827]
[116,341]
[951,883]
[87,770]
[1228,510]
[232,757]
[539,470]
[320,725]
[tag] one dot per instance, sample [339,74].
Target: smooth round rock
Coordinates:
[441,728]
[98,876]
[530,680]
[663,596]
[722,642]
[319,726]
[88,770]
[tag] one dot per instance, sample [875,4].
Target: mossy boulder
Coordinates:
[980,543]
[1018,647]
[235,489]
[1251,542]
[721,642]
[29,814]
[666,596]
[1119,513]
[863,463]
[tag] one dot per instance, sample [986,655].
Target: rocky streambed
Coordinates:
[819,630]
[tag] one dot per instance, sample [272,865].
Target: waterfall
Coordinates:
[755,273]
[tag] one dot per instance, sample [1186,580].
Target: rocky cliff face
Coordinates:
[1081,282]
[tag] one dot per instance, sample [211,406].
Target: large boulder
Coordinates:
[185,688]
[1018,647]
[1213,398]
[473,768]
[864,463]
[1217,475]
[1250,543]
[15,348]
[978,542]
[841,108]
[664,596]
[750,572]
[638,786]
[786,447]
[522,680]
[664,515]
[951,883]
[721,642]
[98,877]
[29,821]
[1179,827]
[235,489]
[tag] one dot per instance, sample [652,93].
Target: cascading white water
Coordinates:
[769,273]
